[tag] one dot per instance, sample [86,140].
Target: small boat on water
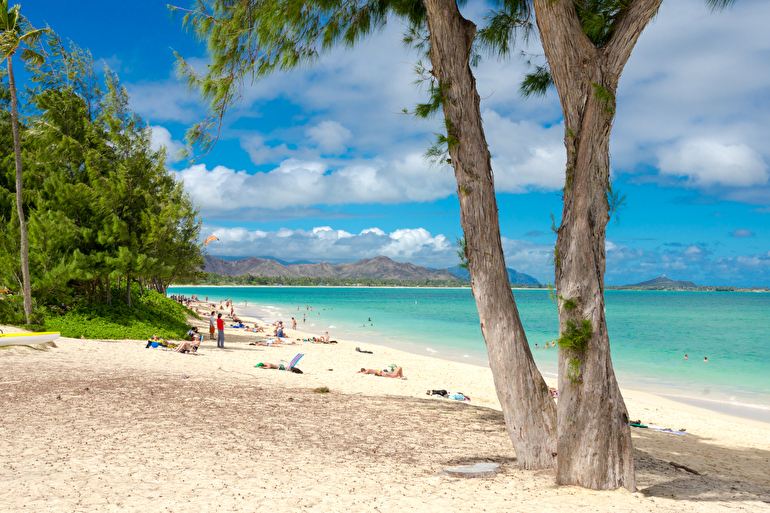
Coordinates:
[27,339]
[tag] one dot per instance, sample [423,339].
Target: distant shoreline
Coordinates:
[607,288]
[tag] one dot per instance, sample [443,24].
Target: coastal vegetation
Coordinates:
[106,220]
[150,313]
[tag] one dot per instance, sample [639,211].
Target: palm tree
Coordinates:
[17,34]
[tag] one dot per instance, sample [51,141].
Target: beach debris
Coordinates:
[474,471]
[684,467]
[457,396]
[321,390]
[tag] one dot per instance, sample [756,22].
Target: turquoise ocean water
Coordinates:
[650,332]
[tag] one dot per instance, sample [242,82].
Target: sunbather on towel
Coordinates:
[398,372]
[278,366]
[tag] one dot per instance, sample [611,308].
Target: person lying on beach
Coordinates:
[272,342]
[278,366]
[385,373]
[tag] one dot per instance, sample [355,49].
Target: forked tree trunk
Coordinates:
[594,446]
[26,286]
[529,411]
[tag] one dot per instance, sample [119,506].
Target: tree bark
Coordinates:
[27,287]
[594,445]
[128,290]
[528,408]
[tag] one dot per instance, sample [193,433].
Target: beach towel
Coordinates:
[667,430]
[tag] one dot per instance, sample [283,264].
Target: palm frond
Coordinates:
[33,36]
[32,57]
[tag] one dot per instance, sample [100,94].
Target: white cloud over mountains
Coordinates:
[693,262]
[625,265]
[325,244]
[415,245]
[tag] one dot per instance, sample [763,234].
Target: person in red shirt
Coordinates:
[221,332]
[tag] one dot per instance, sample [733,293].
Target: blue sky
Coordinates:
[320,164]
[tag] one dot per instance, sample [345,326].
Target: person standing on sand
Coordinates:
[293,323]
[212,324]
[221,332]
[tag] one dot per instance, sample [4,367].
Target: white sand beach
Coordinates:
[96,425]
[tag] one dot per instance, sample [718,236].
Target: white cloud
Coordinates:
[530,258]
[296,183]
[709,162]
[162,137]
[699,78]
[743,232]
[260,152]
[330,136]
[323,243]
[525,155]
[168,100]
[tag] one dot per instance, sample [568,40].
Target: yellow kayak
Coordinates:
[26,339]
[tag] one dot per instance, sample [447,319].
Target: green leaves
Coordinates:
[576,337]
[505,24]
[151,313]
[537,82]
[599,18]
[462,252]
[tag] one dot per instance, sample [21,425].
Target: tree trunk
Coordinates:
[528,408]
[128,290]
[109,292]
[594,444]
[27,287]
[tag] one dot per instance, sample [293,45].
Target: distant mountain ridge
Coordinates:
[515,277]
[664,282]
[379,267]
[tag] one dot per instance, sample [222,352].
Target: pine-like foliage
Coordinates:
[103,209]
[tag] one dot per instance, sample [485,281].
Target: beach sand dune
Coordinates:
[112,426]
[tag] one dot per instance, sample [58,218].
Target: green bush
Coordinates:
[151,313]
